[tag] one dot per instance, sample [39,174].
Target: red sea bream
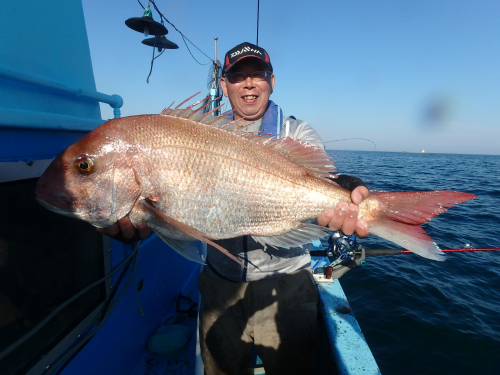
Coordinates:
[191,176]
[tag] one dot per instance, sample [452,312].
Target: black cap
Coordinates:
[242,51]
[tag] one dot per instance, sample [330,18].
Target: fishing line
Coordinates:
[40,325]
[348,139]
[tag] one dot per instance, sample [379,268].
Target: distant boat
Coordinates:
[415,152]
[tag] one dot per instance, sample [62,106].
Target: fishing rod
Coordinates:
[341,253]
[370,252]
[399,251]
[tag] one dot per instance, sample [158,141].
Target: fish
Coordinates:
[192,176]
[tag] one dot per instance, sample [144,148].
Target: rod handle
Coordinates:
[370,252]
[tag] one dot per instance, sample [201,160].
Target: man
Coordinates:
[272,303]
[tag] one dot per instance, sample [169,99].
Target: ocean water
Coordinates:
[421,316]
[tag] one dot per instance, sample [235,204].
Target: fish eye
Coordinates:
[84,165]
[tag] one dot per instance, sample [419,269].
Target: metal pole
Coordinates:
[215,48]
[258,9]
[215,85]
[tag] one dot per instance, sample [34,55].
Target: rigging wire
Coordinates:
[153,59]
[184,38]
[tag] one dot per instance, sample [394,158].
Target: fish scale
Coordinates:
[240,204]
[236,187]
[190,180]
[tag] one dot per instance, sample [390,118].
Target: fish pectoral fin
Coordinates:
[184,228]
[294,238]
[187,249]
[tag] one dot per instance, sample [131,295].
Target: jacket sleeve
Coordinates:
[301,130]
[349,182]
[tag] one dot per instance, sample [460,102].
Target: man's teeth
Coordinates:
[249,97]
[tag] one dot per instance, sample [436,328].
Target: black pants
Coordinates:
[278,315]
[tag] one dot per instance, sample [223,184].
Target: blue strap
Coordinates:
[272,121]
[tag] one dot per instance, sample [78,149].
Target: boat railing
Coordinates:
[115,101]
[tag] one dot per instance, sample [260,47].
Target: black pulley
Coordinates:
[146,24]
[160,42]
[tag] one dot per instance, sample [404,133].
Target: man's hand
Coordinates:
[123,230]
[345,216]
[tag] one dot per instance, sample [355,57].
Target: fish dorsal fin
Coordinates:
[314,159]
[198,114]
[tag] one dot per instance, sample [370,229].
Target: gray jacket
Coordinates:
[263,262]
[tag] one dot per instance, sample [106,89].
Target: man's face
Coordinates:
[248,98]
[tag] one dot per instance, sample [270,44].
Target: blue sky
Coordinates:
[407,75]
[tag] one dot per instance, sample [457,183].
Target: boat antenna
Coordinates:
[258,8]
[215,90]
[213,85]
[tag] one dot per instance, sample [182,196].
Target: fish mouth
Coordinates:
[57,210]
[73,214]
[57,199]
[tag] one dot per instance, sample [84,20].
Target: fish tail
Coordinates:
[402,213]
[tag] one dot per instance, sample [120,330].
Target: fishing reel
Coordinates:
[342,254]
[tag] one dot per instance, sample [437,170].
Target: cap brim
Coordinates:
[228,68]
